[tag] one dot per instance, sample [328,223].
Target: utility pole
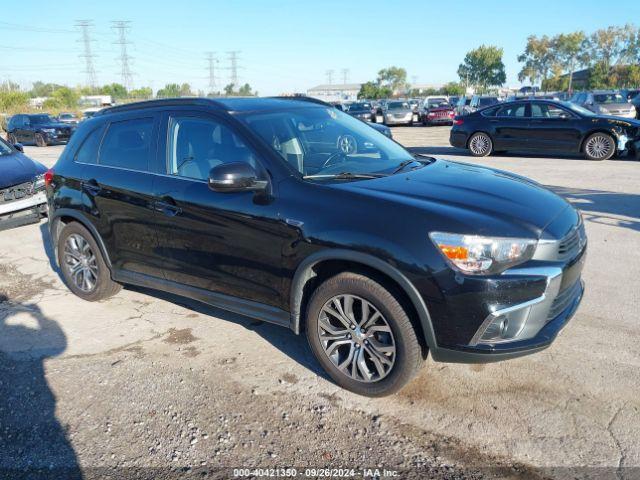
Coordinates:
[233,67]
[211,60]
[329,74]
[123,27]
[87,55]
[345,75]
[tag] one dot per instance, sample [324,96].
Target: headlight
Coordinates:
[478,255]
[49,130]
[38,182]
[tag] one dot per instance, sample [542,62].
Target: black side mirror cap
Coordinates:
[19,147]
[235,177]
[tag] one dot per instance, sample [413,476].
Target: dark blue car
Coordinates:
[22,196]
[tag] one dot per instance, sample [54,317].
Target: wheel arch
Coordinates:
[62,217]
[334,261]
[598,130]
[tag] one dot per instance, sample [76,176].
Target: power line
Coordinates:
[233,66]
[123,27]
[211,61]
[88,56]
[329,74]
[345,75]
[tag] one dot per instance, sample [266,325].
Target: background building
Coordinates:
[340,92]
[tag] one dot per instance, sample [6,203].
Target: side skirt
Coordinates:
[241,306]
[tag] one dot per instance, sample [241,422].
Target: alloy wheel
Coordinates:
[599,146]
[480,144]
[80,262]
[356,338]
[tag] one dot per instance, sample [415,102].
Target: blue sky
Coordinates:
[285,45]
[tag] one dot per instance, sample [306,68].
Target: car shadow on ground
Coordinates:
[292,345]
[33,444]
[598,206]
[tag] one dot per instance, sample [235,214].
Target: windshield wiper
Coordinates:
[424,160]
[347,175]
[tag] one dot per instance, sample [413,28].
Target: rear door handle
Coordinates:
[166,208]
[91,187]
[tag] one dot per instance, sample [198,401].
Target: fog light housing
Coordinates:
[502,326]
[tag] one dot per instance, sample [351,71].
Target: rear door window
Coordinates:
[128,144]
[513,111]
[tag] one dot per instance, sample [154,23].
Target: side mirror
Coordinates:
[235,177]
[19,147]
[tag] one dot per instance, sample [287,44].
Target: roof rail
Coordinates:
[163,102]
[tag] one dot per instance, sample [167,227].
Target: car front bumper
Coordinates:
[22,212]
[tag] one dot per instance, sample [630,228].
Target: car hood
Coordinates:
[471,199]
[17,168]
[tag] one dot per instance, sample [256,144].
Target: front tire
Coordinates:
[83,267]
[362,336]
[480,144]
[599,146]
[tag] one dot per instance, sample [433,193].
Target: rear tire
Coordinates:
[480,144]
[385,354]
[83,267]
[40,140]
[599,146]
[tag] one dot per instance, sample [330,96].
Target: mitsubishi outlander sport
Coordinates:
[295,213]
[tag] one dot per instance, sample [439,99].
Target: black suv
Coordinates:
[39,129]
[298,214]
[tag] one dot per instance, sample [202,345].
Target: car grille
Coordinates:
[572,244]
[17,192]
[565,299]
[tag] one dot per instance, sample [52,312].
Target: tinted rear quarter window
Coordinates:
[88,151]
[127,144]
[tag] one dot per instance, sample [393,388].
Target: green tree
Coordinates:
[116,90]
[393,78]
[599,75]
[144,93]
[172,90]
[483,67]
[63,97]
[41,89]
[606,45]
[452,88]
[245,91]
[9,86]
[228,89]
[569,48]
[373,91]
[13,101]
[537,58]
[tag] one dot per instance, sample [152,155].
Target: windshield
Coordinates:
[486,101]
[396,105]
[65,115]
[38,119]
[359,106]
[577,108]
[324,141]
[437,102]
[608,98]
[5,149]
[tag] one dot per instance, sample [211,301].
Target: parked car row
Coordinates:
[545,126]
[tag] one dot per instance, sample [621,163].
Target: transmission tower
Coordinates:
[88,57]
[345,75]
[122,27]
[211,60]
[329,74]
[233,67]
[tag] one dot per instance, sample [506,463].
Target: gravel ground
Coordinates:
[147,385]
